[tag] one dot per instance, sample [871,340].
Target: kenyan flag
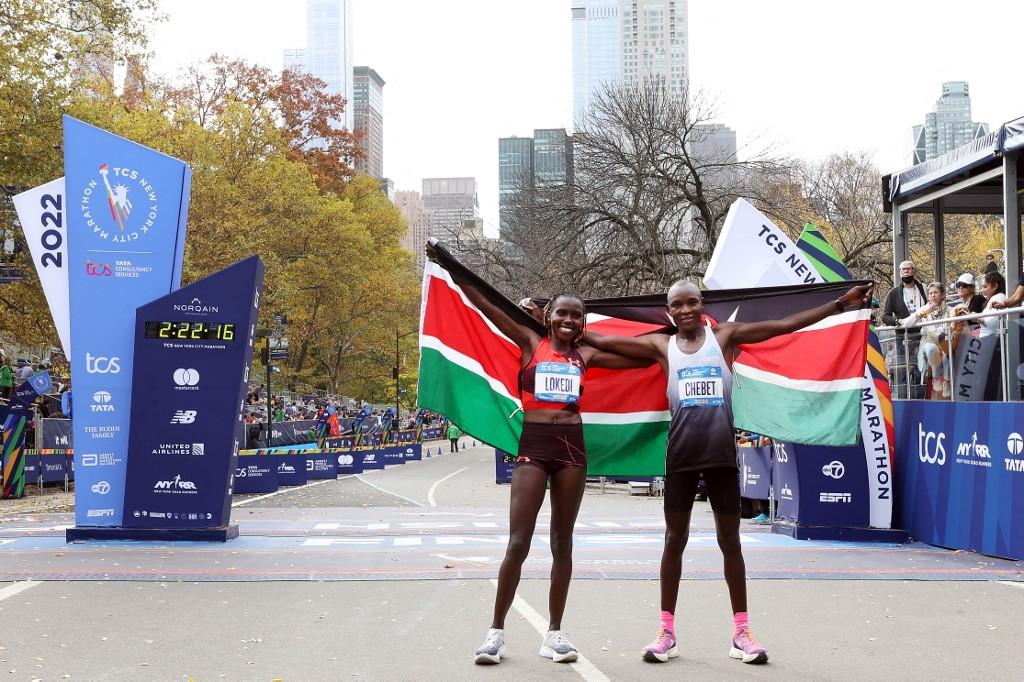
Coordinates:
[798,388]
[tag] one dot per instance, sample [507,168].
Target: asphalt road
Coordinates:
[389,576]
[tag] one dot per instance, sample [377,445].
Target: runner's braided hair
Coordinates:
[550,307]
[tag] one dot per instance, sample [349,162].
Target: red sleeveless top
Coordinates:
[552,381]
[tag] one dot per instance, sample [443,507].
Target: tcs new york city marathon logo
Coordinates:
[119,204]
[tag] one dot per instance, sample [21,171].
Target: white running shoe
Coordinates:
[558,648]
[493,648]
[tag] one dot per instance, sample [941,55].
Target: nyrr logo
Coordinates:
[175,485]
[184,417]
[973,453]
[930,449]
[98,269]
[108,204]
[101,402]
[834,469]
[285,468]
[102,365]
[786,493]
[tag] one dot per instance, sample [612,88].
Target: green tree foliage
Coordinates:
[272,175]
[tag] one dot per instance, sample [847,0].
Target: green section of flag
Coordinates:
[630,449]
[634,449]
[797,416]
[468,400]
[824,258]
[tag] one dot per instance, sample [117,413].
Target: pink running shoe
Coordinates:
[661,649]
[745,647]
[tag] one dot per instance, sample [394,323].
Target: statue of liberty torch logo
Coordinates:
[117,198]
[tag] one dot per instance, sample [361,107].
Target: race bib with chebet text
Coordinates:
[701,387]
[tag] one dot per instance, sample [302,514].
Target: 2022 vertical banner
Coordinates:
[125,208]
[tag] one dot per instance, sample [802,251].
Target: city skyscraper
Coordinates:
[328,51]
[629,42]
[949,126]
[530,163]
[368,112]
[416,217]
[449,202]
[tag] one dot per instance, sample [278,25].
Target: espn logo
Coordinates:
[845,498]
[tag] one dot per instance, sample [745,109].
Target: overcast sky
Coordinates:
[806,76]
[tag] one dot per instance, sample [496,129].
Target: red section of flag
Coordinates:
[814,355]
[624,390]
[460,328]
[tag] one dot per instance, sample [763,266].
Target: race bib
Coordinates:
[557,382]
[701,387]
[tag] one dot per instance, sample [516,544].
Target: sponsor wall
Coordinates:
[961,481]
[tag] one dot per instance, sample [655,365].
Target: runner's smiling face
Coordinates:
[685,306]
[566,319]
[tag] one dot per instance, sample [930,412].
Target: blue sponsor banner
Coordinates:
[821,486]
[256,474]
[349,462]
[372,459]
[960,474]
[193,354]
[291,469]
[755,472]
[393,455]
[32,468]
[125,214]
[321,465]
[54,467]
[433,434]
[341,442]
[413,453]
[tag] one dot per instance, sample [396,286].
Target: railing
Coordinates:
[952,358]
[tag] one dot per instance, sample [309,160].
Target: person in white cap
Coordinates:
[970,302]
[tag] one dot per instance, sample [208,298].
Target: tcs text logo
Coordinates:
[102,365]
[930,449]
[98,269]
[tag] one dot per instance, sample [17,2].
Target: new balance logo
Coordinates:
[184,417]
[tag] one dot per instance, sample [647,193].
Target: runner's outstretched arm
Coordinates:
[755,332]
[647,347]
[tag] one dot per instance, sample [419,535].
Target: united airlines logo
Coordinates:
[109,209]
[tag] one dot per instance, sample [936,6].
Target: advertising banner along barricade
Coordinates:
[12,434]
[54,434]
[125,209]
[291,469]
[961,478]
[321,465]
[755,472]
[256,474]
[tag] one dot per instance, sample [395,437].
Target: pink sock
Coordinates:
[740,620]
[668,621]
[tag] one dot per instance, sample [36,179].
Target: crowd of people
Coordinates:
[924,353]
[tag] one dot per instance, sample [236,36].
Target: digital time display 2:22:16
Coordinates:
[191,331]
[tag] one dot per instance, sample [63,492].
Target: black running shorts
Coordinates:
[723,487]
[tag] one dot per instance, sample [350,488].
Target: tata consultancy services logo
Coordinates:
[930,449]
[97,364]
[834,469]
[98,269]
[1014,445]
[109,204]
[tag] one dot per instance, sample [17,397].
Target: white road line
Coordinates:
[408,542]
[1011,583]
[239,503]
[430,495]
[18,588]
[384,490]
[587,670]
